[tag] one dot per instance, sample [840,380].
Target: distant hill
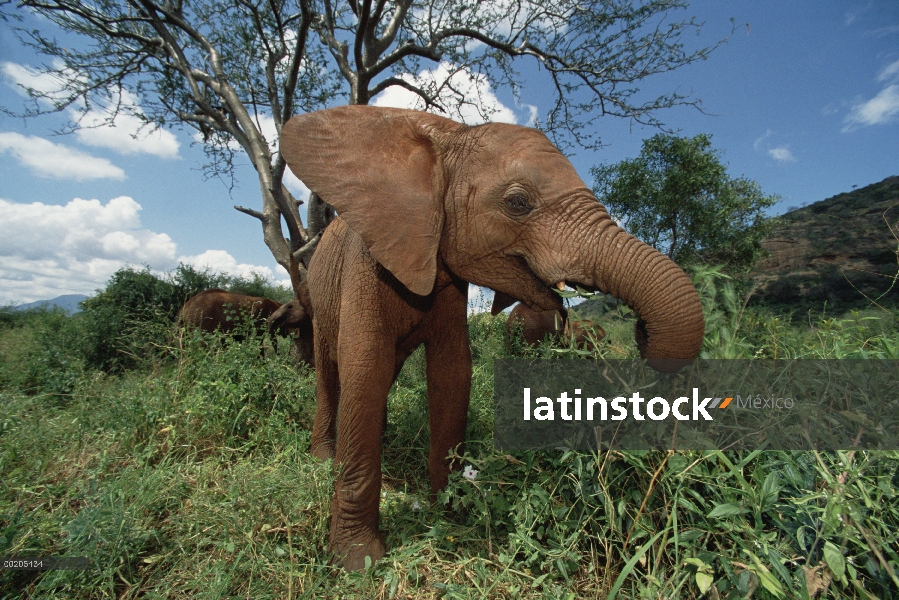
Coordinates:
[67,302]
[838,250]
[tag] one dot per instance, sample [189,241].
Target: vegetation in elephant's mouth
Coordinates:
[187,473]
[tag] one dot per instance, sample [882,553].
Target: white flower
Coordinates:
[469,473]
[416,506]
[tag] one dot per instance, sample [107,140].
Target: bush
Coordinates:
[128,320]
[43,353]
[112,317]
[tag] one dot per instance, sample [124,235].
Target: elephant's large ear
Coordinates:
[381,169]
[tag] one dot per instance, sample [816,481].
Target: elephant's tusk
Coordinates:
[561,286]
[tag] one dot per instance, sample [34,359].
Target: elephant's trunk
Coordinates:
[670,324]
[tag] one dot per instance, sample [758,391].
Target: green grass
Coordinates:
[189,476]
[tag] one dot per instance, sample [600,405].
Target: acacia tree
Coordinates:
[227,68]
[677,197]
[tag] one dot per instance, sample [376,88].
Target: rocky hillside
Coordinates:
[839,251]
[828,256]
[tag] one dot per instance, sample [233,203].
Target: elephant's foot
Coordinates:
[323,450]
[351,555]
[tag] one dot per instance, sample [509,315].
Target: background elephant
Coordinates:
[218,310]
[294,319]
[427,205]
[535,325]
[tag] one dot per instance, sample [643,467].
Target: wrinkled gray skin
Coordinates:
[427,205]
[294,320]
[535,326]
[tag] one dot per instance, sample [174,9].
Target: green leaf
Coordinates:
[696,562]
[613,593]
[726,510]
[835,560]
[704,581]
[769,582]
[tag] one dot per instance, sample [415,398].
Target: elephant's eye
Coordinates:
[518,204]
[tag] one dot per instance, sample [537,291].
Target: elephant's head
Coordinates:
[289,316]
[296,316]
[497,205]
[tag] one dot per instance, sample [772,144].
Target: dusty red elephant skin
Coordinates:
[427,205]
[294,319]
[218,310]
[213,310]
[536,325]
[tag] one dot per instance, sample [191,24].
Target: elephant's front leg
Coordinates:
[324,429]
[366,374]
[448,354]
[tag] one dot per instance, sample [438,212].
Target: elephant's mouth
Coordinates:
[528,289]
[274,324]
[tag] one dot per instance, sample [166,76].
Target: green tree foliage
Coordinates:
[678,197]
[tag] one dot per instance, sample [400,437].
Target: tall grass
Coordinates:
[189,475]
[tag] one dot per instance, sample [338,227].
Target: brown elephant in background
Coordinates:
[427,205]
[294,319]
[536,325]
[218,310]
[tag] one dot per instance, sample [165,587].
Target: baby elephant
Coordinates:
[296,316]
[536,325]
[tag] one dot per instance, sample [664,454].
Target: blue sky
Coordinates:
[803,99]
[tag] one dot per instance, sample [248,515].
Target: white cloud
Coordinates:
[266,125]
[882,108]
[56,161]
[22,78]
[829,110]
[220,261]
[889,72]
[782,154]
[296,187]
[509,20]
[779,153]
[882,31]
[48,250]
[878,110]
[758,142]
[466,96]
[125,133]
